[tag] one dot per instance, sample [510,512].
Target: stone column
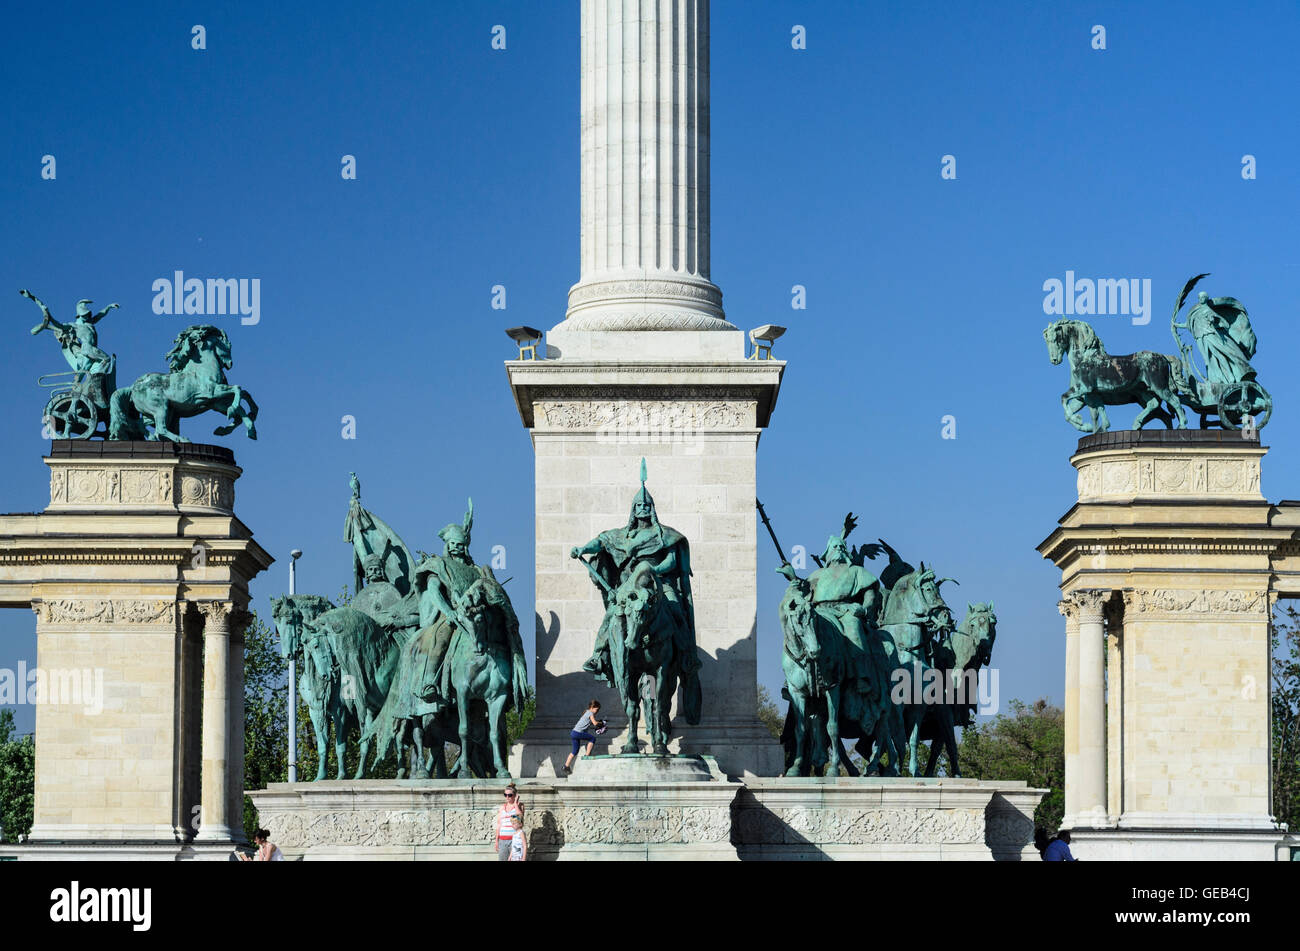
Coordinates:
[1070,610]
[1091,762]
[1115,708]
[239,621]
[216,822]
[645,169]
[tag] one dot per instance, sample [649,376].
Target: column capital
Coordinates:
[223,617]
[1087,604]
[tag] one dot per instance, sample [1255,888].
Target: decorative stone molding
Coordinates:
[207,489]
[646,415]
[1154,475]
[105,611]
[836,826]
[74,611]
[702,292]
[217,616]
[144,612]
[1089,602]
[639,824]
[1168,601]
[90,482]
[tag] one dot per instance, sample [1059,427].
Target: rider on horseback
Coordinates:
[618,552]
[441,583]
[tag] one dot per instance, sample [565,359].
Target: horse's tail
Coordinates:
[1178,373]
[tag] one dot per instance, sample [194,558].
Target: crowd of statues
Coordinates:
[425,653]
[1226,393]
[875,659]
[86,402]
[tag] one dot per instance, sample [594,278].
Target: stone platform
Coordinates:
[597,814]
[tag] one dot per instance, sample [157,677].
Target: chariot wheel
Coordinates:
[71,416]
[1242,399]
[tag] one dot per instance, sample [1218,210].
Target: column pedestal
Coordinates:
[697,426]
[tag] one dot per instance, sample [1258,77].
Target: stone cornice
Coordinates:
[534,381]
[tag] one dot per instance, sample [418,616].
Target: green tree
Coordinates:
[768,714]
[1286,716]
[17,780]
[1027,745]
[266,698]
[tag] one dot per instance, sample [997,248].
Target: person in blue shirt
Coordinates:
[1058,850]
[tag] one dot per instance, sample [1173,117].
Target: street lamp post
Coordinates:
[293,683]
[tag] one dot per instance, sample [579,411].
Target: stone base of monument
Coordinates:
[1189,844]
[650,808]
[885,819]
[453,819]
[123,850]
[741,750]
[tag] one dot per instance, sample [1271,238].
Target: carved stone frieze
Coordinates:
[1164,601]
[105,611]
[646,415]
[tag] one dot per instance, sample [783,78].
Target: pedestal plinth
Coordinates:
[138,572]
[1167,564]
[697,425]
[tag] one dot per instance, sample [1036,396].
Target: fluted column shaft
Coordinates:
[222,751]
[1085,711]
[645,168]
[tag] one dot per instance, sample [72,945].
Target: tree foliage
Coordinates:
[1027,745]
[768,714]
[1286,716]
[17,780]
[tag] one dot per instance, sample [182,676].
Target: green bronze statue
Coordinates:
[467,654]
[78,404]
[370,536]
[428,656]
[79,340]
[837,662]
[645,646]
[151,407]
[86,402]
[1162,385]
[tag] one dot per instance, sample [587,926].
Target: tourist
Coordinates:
[1058,850]
[507,812]
[579,733]
[267,851]
[518,842]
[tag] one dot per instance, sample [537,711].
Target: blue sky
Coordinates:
[924,295]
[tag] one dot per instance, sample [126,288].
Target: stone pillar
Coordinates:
[1070,610]
[645,364]
[645,169]
[216,823]
[1175,520]
[1090,775]
[134,532]
[1115,710]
